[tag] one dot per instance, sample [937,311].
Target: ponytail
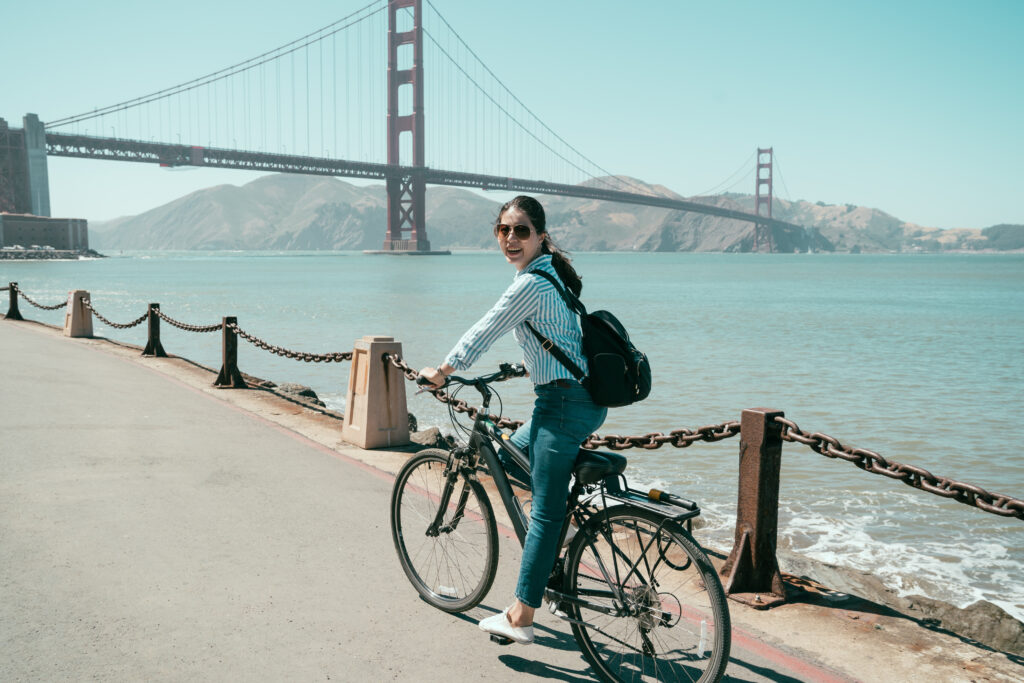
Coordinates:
[563,266]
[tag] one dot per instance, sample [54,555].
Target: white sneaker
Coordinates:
[498,625]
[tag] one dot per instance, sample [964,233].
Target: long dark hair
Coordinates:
[559,259]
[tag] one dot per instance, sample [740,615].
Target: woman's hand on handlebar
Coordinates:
[434,378]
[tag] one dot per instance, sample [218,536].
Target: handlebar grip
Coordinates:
[513,369]
[422,381]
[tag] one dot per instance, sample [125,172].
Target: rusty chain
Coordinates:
[335,357]
[138,321]
[187,327]
[29,299]
[919,478]
[679,438]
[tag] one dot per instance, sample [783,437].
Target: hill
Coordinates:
[322,213]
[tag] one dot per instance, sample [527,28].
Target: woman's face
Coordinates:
[518,251]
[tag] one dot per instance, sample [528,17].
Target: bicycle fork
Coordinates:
[438,527]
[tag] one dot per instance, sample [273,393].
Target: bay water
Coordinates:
[918,357]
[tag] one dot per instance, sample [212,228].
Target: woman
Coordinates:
[563,413]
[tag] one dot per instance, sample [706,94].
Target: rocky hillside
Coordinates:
[313,213]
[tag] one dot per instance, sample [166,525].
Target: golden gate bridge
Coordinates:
[319,106]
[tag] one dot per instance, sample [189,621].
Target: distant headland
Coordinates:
[283,212]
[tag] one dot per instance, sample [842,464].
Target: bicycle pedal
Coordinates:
[558,609]
[500,640]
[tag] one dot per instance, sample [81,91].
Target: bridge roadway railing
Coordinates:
[166,154]
[376,405]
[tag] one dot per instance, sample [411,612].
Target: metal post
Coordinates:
[229,375]
[153,345]
[12,310]
[751,574]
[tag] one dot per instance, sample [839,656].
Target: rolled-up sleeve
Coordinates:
[518,302]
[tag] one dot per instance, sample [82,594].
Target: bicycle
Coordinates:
[642,598]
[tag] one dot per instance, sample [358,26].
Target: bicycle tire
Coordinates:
[454,569]
[677,626]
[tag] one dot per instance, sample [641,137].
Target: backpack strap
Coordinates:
[571,300]
[575,306]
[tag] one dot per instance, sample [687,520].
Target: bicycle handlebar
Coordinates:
[505,372]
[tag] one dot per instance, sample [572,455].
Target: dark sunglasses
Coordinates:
[522,232]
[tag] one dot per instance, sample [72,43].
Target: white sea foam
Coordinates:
[959,569]
[856,530]
[333,401]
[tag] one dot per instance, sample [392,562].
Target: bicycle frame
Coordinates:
[483,437]
[631,575]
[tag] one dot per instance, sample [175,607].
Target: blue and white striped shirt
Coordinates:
[529,297]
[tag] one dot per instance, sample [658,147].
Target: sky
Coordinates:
[910,107]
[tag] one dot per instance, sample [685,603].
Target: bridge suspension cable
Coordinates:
[778,169]
[742,173]
[324,96]
[247,65]
[584,165]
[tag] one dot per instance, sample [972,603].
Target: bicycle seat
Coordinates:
[593,466]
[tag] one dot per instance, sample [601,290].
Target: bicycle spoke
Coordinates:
[450,558]
[668,625]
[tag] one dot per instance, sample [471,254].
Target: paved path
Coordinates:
[153,528]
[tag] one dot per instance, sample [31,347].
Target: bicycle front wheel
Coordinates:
[653,607]
[450,559]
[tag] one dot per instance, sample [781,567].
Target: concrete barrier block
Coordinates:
[376,415]
[78,318]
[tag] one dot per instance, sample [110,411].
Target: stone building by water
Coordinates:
[62,234]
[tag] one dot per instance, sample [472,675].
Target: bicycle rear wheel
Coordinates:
[656,610]
[453,566]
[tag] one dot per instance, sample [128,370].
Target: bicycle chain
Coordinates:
[185,326]
[29,299]
[917,477]
[138,321]
[336,357]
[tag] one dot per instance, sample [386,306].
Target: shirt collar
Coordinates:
[542,262]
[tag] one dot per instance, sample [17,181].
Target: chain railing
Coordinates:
[751,572]
[138,321]
[869,461]
[185,326]
[335,357]
[679,438]
[911,475]
[35,303]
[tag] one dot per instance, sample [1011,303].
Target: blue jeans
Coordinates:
[563,417]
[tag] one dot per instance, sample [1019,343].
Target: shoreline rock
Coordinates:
[299,391]
[982,621]
[47,254]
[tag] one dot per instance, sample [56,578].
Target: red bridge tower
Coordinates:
[407,230]
[763,231]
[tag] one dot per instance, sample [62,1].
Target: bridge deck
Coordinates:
[155,528]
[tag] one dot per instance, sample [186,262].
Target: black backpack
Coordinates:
[619,373]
